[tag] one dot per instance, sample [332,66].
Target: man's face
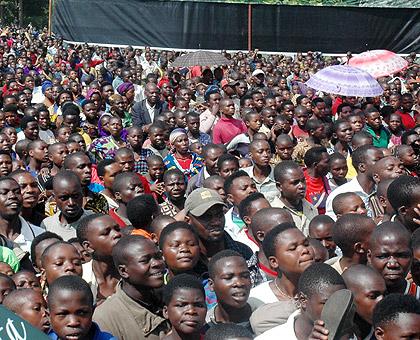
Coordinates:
[214,99]
[10,199]
[232,282]
[193,124]
[111,171]
[228,108]
[157,138]
[344,132]
[323,233]
[104,233]
[69,198]
[391,256]
[40,152]
[145,266]
[293,185]
[323,166]
[240,189]
[374,120]
[132,188]
[284,148]
[82,167]
[29,190]
[210,160]
[5,165]
[126,161]
[152,94]
[261,153]
[210,225]
[175,186]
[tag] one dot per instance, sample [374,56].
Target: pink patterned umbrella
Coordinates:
[379,63]
[345,80]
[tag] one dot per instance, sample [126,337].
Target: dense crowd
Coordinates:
[144,201]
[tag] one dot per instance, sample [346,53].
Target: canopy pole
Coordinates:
[49,16]
[249,27]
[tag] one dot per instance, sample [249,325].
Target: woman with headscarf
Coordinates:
[181,157]
[127,90]
[119,108]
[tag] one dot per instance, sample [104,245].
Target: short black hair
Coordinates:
[122,179]
[50,247]
[69,158]
[246,203]
[42,237]
[312,124]
[317,277]
[66,175]
[390,228]
[102,165]
[348,230]
[226,157]
[336,156]
[392,305]
[179,282]
[171,172]
[140,211]
[119,252]
[70,283]
[26,120]
[359,155]
[171,227]
[320,219]
[270,240]
[402,190]
[281,169]
[314,155]
[220,256]
[225,331]
[337,202]
[82,230]
[229,180]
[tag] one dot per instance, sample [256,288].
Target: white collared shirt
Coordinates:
[28,232]
[151,110]
[284,331]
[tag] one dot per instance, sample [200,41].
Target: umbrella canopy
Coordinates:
[379,63]
[345,80]
[200,58]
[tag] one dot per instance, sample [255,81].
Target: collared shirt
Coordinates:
[140,165]
[151,110]
[203,138]
[352,186]
[301,218]
[126,319]
[235,227]
[226,129]
[161,153]
[65,230]
[27,233]
[267,187]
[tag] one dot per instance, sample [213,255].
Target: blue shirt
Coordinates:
[98,335]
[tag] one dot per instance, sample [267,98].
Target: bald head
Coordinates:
[386,168]
[360,275]
[266,219]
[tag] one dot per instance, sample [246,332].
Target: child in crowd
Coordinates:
[320,228]
[6,286]
[338,170]
[348,203]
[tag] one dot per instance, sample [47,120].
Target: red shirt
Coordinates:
[226,129]
[408,118]
[298,133]
[116,218]
[316,192]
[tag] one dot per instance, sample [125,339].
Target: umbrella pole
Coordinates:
[249,27]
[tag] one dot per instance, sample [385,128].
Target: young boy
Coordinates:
[232,294]
[39,244]
[338,170]
[30,305]
[227,165]
[154,176]
[175,186]
[320,252]
[408,157]
[60,259]
[320,228]
[317,283]
[185,307]
[70,302]
[390,255]
[26,279]
[98,235]
[348,203]
[284,149]
[267,114]
[397,317]
[368,288]
[6,286]
[351,233]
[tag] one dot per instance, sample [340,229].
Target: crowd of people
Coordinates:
[144,201]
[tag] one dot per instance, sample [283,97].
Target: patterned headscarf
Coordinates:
[124,88]
[175,134]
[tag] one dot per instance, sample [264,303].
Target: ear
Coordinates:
[361,167]
[165,312]
[122,270]
[402,210]
[117,196]
[211,285]
[302,300]
[230,198]
[101,178]
[260,235]
[43,275]
[369,256]
[382,201]
[376,178]
[358,248]
[338,216]
[379,333]
[30,153]
[334,135]
[86,246]
[272,260]
[247,220]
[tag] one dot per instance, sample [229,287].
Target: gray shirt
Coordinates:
[66,231]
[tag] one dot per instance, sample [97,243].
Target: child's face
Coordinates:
[268,117]
[156,170]
[63,134]
[73,147]
[245,163]
[293,253]
[175,186]
[57,154]
[353,205]
[186,311]
[344,132]
[228,168]
[196,148]
[34,310]
[44,120]
[6,286]
[12,134]
[394,122]
[234,291]
[71,315]
[322,233]
[63,260]
[356,123]
[254,122]
[181,250]
[6,269]
[408,157]
[405,326]
[284,148]
[314,304]
[339,168]
[26,279]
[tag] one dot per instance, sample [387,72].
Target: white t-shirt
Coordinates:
[285,331]
[263,293]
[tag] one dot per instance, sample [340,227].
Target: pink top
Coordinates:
[226,129]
